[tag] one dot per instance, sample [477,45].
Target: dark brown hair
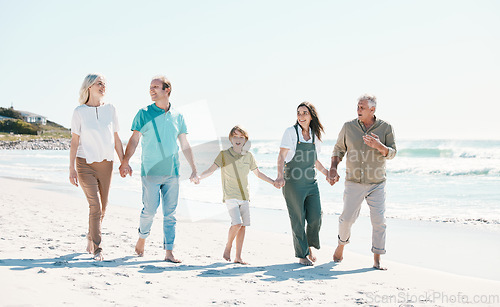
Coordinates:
[316,126]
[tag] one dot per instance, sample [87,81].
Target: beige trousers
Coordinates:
[95,179]
[354,194]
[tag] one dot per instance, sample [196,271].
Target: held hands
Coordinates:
[125,169]
[273,182]
[279,183]
[194,178]
[73,177]
[332,177]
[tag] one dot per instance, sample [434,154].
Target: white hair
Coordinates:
[89,80]
[372,100]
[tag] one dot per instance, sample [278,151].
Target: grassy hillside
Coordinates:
[17,129]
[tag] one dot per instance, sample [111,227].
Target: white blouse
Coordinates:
[289,141]
[96,127]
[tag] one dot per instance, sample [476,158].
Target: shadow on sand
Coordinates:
[275,272]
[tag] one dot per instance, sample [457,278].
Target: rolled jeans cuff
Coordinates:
[142,235]
[380,251]
[168,247]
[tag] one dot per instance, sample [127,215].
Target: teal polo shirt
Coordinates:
[159,129]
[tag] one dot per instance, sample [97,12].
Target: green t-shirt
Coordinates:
[227,160]
[159,131]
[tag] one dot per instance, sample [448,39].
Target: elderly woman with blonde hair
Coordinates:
[94,138]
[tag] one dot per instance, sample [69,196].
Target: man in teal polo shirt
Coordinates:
[160,127]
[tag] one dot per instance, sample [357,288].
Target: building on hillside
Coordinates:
[33,118]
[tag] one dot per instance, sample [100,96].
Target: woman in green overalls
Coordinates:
[297,160]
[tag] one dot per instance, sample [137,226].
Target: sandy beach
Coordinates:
[43,263]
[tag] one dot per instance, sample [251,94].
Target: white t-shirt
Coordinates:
[289,141]
[96,127]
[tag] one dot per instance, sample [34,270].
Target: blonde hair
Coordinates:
[240,130]
[89,80]
[165,81]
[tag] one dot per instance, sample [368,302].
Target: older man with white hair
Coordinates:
[367,142]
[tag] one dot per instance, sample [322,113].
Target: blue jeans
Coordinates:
[152,188]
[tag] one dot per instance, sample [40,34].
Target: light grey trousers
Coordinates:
[354,194]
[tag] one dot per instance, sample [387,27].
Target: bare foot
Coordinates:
[339,252]
[90,245]
[305,261]
[227,253]
[169,257]
[240,261]
[139,247]
[376,263]
[311,256]
[98,256]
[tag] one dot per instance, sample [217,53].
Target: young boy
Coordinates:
[235,165]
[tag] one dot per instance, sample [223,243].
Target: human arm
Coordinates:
[73,176]
[118,147]
[188,153]
[262,176]
[280,180]
[209,171]
[321,168]
[129,152]
[386,148]
[338,153]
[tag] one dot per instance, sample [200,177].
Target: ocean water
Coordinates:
[442,195]
[433,180]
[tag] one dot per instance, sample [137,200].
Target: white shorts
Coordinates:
[239,211]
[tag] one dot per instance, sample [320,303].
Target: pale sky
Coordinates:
[433,65]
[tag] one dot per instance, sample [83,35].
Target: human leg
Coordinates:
[233,208]
[295,197]
[89,183]
[240,237]
[170,195]
[376,203]
[233,231]
[354,194]
[104,171]
[150,201]
[313,212]
[90,244]
[244,210]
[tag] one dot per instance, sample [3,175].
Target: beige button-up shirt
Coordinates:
[364,164]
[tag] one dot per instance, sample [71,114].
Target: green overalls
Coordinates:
[302,197]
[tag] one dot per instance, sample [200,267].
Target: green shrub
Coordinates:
[17,126]
[8,112]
